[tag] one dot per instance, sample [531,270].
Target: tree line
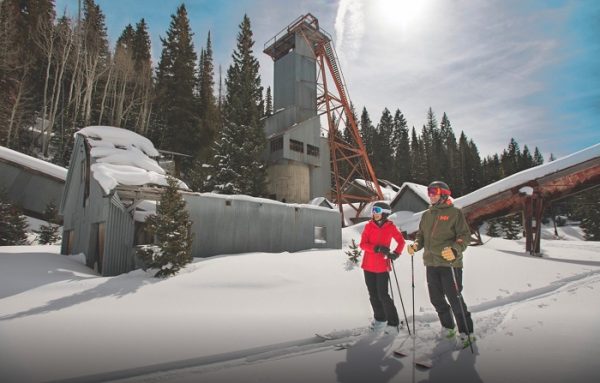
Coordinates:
[58,74]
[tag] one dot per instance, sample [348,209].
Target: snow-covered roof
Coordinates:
[529,175]
[388,192]
[123,157]
[33,163]
[420,190]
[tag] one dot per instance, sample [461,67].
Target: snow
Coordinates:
[420,190]
[529,175]
[33,163]
[251,317]
[123,157]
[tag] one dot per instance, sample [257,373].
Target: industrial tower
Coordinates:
[308,83]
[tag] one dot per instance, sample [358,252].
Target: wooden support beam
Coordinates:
[533,208]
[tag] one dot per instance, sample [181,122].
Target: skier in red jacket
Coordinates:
[375,241]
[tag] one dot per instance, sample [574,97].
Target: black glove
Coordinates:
[393,255]
[382,249]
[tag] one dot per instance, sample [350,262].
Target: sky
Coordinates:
[499,69]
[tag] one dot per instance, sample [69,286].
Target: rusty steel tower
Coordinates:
[348,157]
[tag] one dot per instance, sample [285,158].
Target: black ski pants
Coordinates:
[383,305]
[441,291]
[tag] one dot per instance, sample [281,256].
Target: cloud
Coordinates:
[488,65]
[349,28]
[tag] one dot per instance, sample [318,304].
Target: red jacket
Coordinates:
[374,235]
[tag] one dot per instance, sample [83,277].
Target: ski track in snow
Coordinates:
[489,318]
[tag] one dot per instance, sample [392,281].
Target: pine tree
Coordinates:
[538,159]
[511,226]
[13,224]
[176,105]
[402,162]
[49,233]
[268,103]
[354,255]
[493,229]
[238,165]
[172,227]
[418,160]
[367,132]
[433,146]
[382,155]
[208,111]
[589,211]
[451,158]
[143,68]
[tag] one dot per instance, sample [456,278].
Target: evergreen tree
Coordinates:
[418,160]
[551,158]
[354,255]
[433,147]
[493,230]
[238,165]
[142,60]
[538,159]
[382,155]
[13,224]
[589,212]
[268,103]
[208,111]
[510,158]
[474,168]
[526,159]
[176,106]
[402,162]
[367,132]
[451,158]
[491,170]
[171,226]
[49,232]
[511,226]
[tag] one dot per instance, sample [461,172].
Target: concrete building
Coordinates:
[297,154]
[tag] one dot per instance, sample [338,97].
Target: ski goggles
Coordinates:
[436,190]
[380,210]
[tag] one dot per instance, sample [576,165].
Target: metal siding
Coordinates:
[118,239]
[284,82]
[254,225]
[409,201]
[30,190]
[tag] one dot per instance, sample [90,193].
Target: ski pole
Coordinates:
[401,301]
[412,267]
[462,308]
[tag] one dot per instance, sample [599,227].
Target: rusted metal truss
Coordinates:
[349,160]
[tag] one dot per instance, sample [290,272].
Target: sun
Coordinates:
[399,15]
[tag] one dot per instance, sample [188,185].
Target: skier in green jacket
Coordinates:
[444,235]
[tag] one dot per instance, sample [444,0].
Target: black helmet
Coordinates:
[382,208]
[439,188]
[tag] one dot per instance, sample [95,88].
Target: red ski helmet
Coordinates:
[439,188]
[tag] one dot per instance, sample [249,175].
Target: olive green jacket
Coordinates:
[441,226]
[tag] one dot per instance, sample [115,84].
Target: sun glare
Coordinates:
[399,15]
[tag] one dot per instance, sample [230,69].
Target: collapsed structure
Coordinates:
[113,183]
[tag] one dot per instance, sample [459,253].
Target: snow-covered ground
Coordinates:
[252,318]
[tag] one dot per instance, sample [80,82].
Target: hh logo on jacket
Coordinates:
[444,217]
